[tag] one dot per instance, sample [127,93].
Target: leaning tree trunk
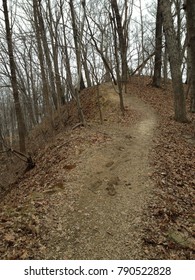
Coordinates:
[175,61]
[18,110]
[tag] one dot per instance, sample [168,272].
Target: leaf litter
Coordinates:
[41,214]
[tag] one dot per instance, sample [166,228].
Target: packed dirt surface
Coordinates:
[99,215]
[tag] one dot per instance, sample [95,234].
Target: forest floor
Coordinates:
[107,191]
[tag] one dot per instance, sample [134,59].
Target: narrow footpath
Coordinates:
[101,217]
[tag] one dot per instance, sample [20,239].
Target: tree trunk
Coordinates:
[46,101]
[86,68]
[65,55]
[77,42]
[18,110]
[175,62]
[117,61]
[33,88]
[190,9]
[55,43]
[49,71]
[165,66]
[158,49]
[122,39]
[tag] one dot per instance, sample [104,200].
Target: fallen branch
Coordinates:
[26,158]
[77,125]
[141,66]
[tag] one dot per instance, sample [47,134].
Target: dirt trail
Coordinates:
[109,193]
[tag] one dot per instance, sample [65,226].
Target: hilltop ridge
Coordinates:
[94,191]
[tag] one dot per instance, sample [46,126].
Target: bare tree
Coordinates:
[78,42]
[19,114]
[99,49]
[175,61]
[121,29]
[158,48]
[45,83]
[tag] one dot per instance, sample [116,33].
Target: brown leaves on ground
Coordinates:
[23,216]
[25,204]
[169,222]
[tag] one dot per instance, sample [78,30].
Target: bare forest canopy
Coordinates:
[51,50]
